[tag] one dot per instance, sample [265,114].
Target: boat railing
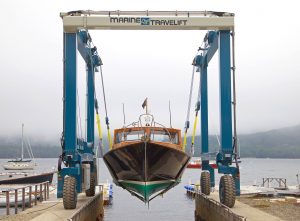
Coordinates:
[274,180]
[40,192]
[149,123]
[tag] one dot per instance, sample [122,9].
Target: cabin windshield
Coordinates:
[151,133]
[129,135]
[164,136]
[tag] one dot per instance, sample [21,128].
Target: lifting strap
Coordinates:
[195,123]
[97,113]
[99,127]
[197,109]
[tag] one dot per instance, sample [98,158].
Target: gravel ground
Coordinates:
[284,210]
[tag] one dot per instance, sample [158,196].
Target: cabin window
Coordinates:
[164,136]
[130,136]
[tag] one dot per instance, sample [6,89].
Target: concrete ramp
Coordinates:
[88,208]
[208,208]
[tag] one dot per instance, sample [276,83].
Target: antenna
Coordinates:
[170,114]
[124,120]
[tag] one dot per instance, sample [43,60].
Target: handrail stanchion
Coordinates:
[16,201]
[7,203]
[48,190]
[41,192]
[30,192]
[23,198]
[35,195]
[45,191]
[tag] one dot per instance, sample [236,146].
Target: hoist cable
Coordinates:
[97,112]
[187,122]
[105,106]
[198,106]
[235,149]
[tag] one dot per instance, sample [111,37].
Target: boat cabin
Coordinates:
[147,130]
[157,134]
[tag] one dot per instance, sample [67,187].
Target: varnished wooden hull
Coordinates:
[146,169]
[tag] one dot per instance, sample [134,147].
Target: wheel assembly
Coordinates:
[205,182]
[227,191]
[69,193]
[91,190]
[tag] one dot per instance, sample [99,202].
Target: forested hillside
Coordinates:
[279,143]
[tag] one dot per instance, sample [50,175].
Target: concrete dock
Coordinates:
[88,208]
[208,208]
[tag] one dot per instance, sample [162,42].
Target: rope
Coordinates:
[187,122]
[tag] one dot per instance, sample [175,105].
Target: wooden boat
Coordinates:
[146,158]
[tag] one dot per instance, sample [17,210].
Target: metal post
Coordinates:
[204,121]
[7,202]
[41,192]
[90,104]
[16,201]
[225,96]
[23,199]
[69,105]
[30,192]
[35,194]
[70,91]
[226,108]
[234,95]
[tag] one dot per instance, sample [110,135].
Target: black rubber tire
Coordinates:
[91,190]
[227,191]
[205,182]
[69,193]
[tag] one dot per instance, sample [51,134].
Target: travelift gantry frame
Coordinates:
[223,25]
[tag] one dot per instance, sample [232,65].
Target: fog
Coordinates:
[153,64]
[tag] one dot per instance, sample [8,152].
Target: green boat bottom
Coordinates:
[146,189]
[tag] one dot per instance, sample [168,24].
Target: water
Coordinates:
[176,205]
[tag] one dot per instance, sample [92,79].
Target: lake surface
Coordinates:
[175,205]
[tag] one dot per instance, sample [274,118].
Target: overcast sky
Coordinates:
[153,64]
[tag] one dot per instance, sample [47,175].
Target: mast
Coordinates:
[22,153]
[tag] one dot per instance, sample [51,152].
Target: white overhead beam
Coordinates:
[147,20]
